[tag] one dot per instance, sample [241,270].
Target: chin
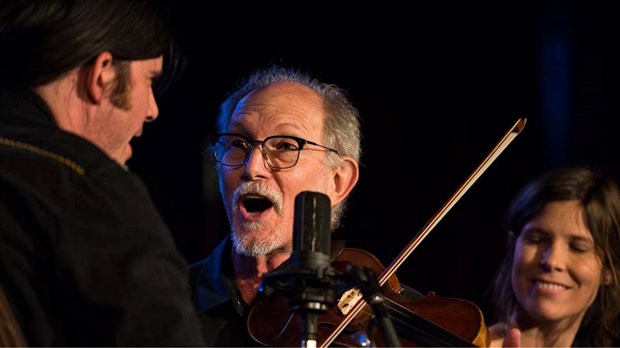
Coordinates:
[253,249]
[250,244]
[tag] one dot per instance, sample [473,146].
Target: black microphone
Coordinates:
[307,277]
[312,233]
[311,257]
[310,261]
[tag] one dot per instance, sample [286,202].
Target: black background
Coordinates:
[438,84]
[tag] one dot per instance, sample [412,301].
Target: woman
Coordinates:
[558,284]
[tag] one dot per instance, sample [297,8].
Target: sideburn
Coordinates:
[122,86]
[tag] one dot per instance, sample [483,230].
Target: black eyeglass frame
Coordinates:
[301,142]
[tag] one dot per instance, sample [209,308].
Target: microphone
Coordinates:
[311,256]
[310,263]
[307,277]
[312,234]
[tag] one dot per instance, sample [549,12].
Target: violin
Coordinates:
[428,321]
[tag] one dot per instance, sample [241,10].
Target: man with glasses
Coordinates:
[280,134]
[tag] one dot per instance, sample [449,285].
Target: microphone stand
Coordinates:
[316,296]
[310,311]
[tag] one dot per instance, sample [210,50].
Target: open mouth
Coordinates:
[256,204]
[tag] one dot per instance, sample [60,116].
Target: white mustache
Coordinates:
[260,189]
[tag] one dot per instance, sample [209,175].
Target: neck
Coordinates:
[556,333]
[62,98]
[249,271]
[547,337]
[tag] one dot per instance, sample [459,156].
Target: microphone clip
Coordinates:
[307,280]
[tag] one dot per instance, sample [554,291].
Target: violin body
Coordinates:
[428,321]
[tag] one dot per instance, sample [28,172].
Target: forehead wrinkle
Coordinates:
[290,107]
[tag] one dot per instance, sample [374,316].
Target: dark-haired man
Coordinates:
[86,258]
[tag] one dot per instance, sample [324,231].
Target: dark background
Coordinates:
[438,84]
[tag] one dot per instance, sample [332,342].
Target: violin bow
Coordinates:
[419,237]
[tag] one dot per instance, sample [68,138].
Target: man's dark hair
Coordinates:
[40,40]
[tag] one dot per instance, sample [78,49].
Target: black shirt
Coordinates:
[222,312]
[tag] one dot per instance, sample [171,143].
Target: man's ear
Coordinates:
[345,177]
[100,75]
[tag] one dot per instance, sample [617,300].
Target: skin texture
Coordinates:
[89,109]
[556,275]
[263,240]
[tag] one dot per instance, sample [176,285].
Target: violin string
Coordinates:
[421,330]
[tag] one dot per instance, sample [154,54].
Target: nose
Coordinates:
[552,258]
[153,110]
[255,166]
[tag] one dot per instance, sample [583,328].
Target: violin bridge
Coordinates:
[348,300]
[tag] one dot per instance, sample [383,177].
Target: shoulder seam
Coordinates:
[35,149]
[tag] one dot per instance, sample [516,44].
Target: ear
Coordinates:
[607,277]
[100,75]
[344,178]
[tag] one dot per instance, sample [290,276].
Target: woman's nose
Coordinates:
[552,258]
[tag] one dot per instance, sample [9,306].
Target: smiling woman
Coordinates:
[558,285]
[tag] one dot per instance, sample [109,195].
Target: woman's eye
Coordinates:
[581,247]
[534,237]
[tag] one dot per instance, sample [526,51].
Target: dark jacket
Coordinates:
[86,260]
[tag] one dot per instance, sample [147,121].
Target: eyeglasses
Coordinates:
[278,151]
